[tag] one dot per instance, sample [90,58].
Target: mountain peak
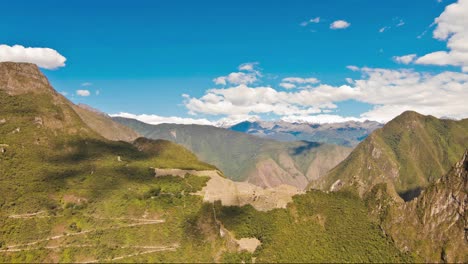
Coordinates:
[18,78]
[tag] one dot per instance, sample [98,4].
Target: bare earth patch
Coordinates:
[232,193]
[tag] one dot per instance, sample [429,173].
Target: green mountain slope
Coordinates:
[409,152]
[261,161]
[70,195]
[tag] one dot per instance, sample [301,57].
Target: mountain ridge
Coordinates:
[409,152]
[261,161]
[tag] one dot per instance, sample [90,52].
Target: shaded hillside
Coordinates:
[104,125]
[70,195]
[345,134]
[434,225]
[241,157]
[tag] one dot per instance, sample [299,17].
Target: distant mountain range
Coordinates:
[73,190]
[242,157]
[345,134]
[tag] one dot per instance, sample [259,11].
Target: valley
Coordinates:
[73,191]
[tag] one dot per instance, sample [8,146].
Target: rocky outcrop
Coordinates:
[434,225]
[19,78]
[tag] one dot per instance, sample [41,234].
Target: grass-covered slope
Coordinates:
[69,195]
[241,157]
[408,152]
[317,227]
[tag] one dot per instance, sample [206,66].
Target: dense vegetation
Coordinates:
[69,195]
[317,227]
[410,151]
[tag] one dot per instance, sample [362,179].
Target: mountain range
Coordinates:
[347,134]
[242,157]
[78,187]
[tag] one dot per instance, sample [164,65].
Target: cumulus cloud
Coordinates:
[406,59]
[452,26]
[156,119]
[300,80]
[83,92]
[340,24]
[43,57]
[249,66]
[247,75]
[288,85]
[389,91]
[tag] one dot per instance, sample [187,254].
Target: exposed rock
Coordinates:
[434,225]
[232,193]
[38,121]
[2,121]
[248,244]
[19,78]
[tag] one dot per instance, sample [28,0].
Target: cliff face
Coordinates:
[434,225]
[51,108]
[19,78]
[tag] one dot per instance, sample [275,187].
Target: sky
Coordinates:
[221,62]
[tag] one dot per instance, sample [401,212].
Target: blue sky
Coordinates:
[142,56]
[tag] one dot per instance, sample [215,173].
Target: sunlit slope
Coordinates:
[409,152]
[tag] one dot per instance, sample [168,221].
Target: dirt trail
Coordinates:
[30,215]
[147,222]
[153,250]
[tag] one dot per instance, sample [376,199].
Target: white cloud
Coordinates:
[382,30]
[300,80]
[85,84]
[452,26]
[352,67]
[248,75]
[349,80]
[155,119]
[340,24]
[287,85]
[407,59]
[401,23]
[43,57]
[315,20]
[98,92]
[321,119]
[312,20]
[249,66]
[83,92]
[389,91]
